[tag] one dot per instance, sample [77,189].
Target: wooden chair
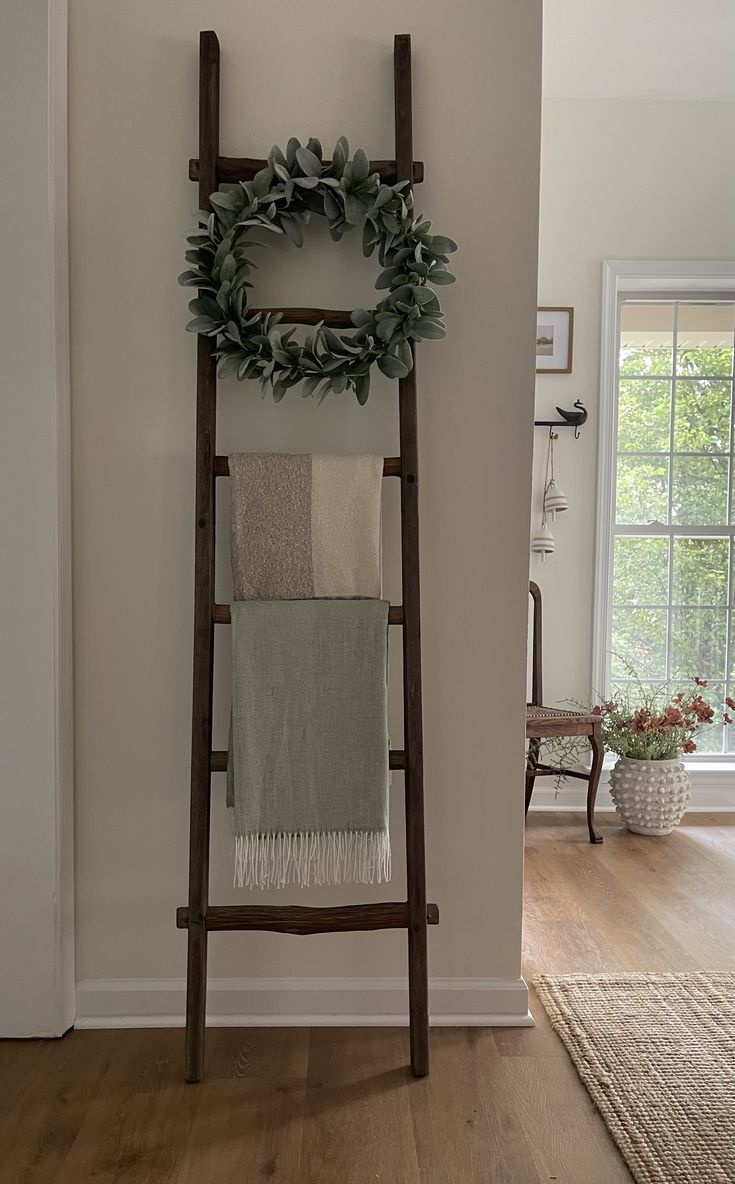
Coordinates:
[543,723]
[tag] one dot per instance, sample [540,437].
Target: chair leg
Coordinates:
[534,747]
[594,781]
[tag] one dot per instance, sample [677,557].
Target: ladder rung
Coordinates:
[333,318]
[244,168]
[222,616]
[300,919]
[391,466]
[218,760]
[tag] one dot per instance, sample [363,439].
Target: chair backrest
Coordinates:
[537,692]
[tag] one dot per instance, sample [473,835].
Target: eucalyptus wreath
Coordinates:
[281,198]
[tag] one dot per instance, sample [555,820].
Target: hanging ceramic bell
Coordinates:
[555,500]
[542,542]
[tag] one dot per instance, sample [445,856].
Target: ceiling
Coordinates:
[655,49]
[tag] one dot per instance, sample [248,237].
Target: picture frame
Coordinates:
[554,340]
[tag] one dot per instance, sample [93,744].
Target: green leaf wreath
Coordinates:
[281,198]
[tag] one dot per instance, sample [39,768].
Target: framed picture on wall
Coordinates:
[554,336]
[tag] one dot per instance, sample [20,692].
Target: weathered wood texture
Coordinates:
[333,318]
[218,764]
[199,917]
[537,646]
[391,466]
[337,1105]
[244,168]
[412,712]
[303,920]
[206,427]
[221,614]
[544,723]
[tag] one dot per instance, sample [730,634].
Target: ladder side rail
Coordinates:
[413,739]
[206,423]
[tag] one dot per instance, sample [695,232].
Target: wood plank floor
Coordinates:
[338,1106]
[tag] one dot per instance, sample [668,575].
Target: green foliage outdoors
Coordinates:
[685,633]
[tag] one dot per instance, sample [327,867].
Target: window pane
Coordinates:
[635,690]
[673,598]
[705,339]
[702,416]
[707,362]
[641,571]
[700,490]
[639,642]
[646,338]
[645,361]
[644,409]
[712,738]
[701,571]
[698,639]
[642,489]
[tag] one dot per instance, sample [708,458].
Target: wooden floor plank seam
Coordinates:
[339,1106]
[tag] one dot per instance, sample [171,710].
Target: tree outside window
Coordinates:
[673,550]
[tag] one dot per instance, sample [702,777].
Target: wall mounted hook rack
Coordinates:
[569,419]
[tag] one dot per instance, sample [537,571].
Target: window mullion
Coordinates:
[670,508]
[730,634]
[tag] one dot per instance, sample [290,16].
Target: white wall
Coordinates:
[324,68]
[36,897]
[652,50]
[620,179]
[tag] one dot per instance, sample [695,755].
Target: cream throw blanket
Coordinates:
[308,763]
[305,526]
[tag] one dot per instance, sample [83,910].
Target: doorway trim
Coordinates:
[37,995]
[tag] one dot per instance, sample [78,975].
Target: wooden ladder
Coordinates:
[200,918]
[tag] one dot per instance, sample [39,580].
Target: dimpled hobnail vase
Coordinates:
[651,797]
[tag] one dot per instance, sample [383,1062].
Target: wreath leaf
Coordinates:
[310,163]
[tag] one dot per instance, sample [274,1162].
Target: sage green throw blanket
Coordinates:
[308,768]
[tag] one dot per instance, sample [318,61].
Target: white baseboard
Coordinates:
[301,1002]
[713,791]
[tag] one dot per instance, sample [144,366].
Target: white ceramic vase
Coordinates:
[651,797]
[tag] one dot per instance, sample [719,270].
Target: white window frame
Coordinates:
[623,278]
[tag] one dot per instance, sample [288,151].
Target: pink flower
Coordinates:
[730,702]
[727,718]
[701,682]
[689,746]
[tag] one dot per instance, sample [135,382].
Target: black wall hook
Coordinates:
[569,419]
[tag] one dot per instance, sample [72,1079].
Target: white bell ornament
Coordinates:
[542,542]
[555,499]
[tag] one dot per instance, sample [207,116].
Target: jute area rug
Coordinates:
[657,1054]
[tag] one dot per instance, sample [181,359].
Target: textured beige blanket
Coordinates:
[305,527]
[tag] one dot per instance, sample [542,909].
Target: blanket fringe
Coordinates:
[337,857]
